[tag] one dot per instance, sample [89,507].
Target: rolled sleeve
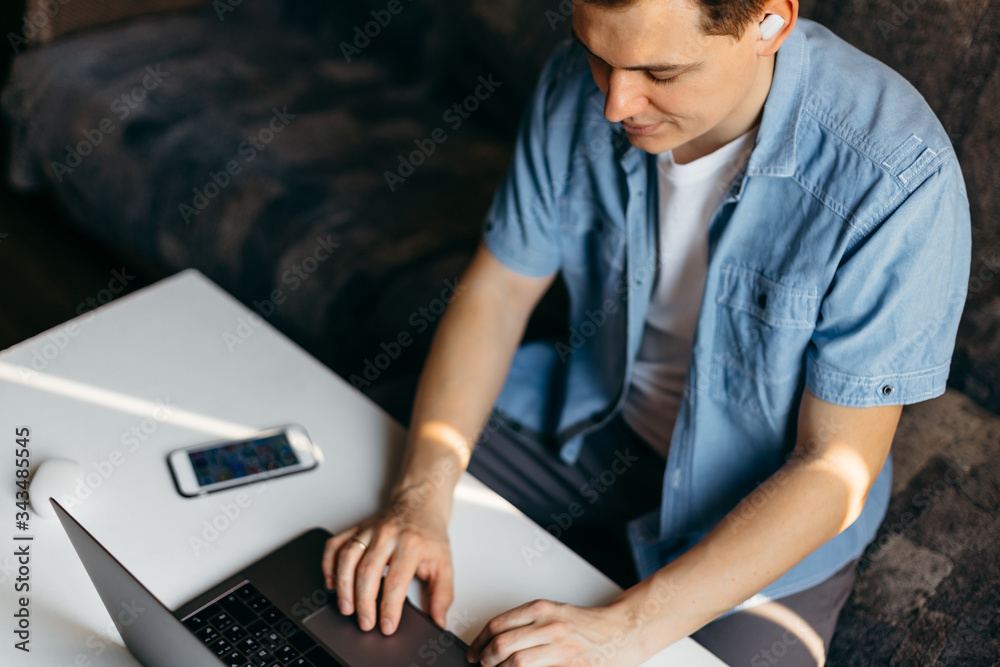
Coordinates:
[521,228]
[886,330]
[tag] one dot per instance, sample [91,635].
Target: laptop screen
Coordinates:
[150,631]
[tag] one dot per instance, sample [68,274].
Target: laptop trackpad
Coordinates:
[418,641]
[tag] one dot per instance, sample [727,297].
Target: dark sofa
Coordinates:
[330,167]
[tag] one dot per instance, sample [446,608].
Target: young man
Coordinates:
[765,239]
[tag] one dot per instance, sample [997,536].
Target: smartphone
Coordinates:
[223,464]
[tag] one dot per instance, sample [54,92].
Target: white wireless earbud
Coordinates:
[770,26]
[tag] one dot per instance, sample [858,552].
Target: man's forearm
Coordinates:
[807,502]
[468,362]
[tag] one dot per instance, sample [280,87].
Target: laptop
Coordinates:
[276,612]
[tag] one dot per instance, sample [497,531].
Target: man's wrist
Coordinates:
[423,497]
[429,491]
[654,614]
[634,641]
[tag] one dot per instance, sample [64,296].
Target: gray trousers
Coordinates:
[619,477]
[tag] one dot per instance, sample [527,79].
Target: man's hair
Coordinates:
[719,17]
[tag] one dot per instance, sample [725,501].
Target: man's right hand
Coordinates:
[411,537]
[466,365]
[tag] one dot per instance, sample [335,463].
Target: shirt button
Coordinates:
[762,300]
[887,389]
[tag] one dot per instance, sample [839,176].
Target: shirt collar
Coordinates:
[774,154]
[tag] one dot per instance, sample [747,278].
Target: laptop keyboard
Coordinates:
[245,629]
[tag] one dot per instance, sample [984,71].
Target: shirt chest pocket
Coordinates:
[763,329]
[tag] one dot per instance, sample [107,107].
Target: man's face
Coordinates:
[663,78]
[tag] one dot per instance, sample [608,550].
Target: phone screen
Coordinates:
[240,459]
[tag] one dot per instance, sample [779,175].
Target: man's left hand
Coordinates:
[543,633]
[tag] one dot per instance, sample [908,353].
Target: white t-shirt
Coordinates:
[689,196]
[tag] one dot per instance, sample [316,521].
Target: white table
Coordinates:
[152,372]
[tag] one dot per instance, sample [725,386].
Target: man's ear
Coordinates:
[775,25]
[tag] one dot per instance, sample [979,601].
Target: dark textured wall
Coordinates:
[10,22]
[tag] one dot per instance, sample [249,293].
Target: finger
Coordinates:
[402,568]
[515,618]
[538,656]
[329,552]
[442,588]
[368,579]
[346,562]
[505,645]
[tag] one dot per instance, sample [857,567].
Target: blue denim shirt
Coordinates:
[838,261]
